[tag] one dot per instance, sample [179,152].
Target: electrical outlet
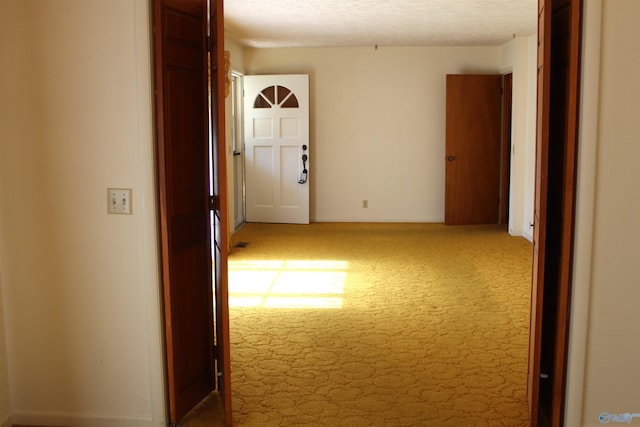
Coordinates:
[119,201]
[365,204]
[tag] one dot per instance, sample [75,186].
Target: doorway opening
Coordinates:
[505,150]
[237,144]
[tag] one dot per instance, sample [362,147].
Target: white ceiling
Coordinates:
[306,23]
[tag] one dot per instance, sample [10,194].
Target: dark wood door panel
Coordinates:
[540,208]
[472,172]
[183,177]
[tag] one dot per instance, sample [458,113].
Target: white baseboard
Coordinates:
[78,420]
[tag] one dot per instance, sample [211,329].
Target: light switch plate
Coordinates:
[119,201]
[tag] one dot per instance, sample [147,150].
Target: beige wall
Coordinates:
[237,54]
[377,125]
[584,220]
[13,124]
[612,375]
[79,287]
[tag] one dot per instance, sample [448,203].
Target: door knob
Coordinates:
[451,158]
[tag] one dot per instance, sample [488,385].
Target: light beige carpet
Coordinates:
[379,325]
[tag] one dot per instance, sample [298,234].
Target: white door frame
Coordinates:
[238,180]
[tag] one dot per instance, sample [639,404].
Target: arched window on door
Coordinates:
[273,96]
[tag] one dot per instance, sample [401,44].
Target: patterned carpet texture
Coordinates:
[379,325]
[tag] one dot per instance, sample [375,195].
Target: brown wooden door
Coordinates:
[182,120]
[556,154]
[220,217]
[472,174]
[540,208]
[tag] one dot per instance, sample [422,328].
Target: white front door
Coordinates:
[276,109]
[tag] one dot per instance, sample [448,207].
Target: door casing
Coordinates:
[505,146]
[237,135]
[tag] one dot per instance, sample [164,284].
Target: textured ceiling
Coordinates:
[304,23]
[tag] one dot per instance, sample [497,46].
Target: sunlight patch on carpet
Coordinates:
[287,283]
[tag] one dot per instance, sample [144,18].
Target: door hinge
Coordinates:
[217,372]
[213,203]
[216,352]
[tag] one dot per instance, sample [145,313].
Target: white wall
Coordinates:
[377,125]
[519,57]
[584,220]
[611,374]
[80,287]
[530,144]
[237,54]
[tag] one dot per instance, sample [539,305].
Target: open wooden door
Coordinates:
[219,204]
[540,207]
[559,41]
[472,173]
[185,203]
